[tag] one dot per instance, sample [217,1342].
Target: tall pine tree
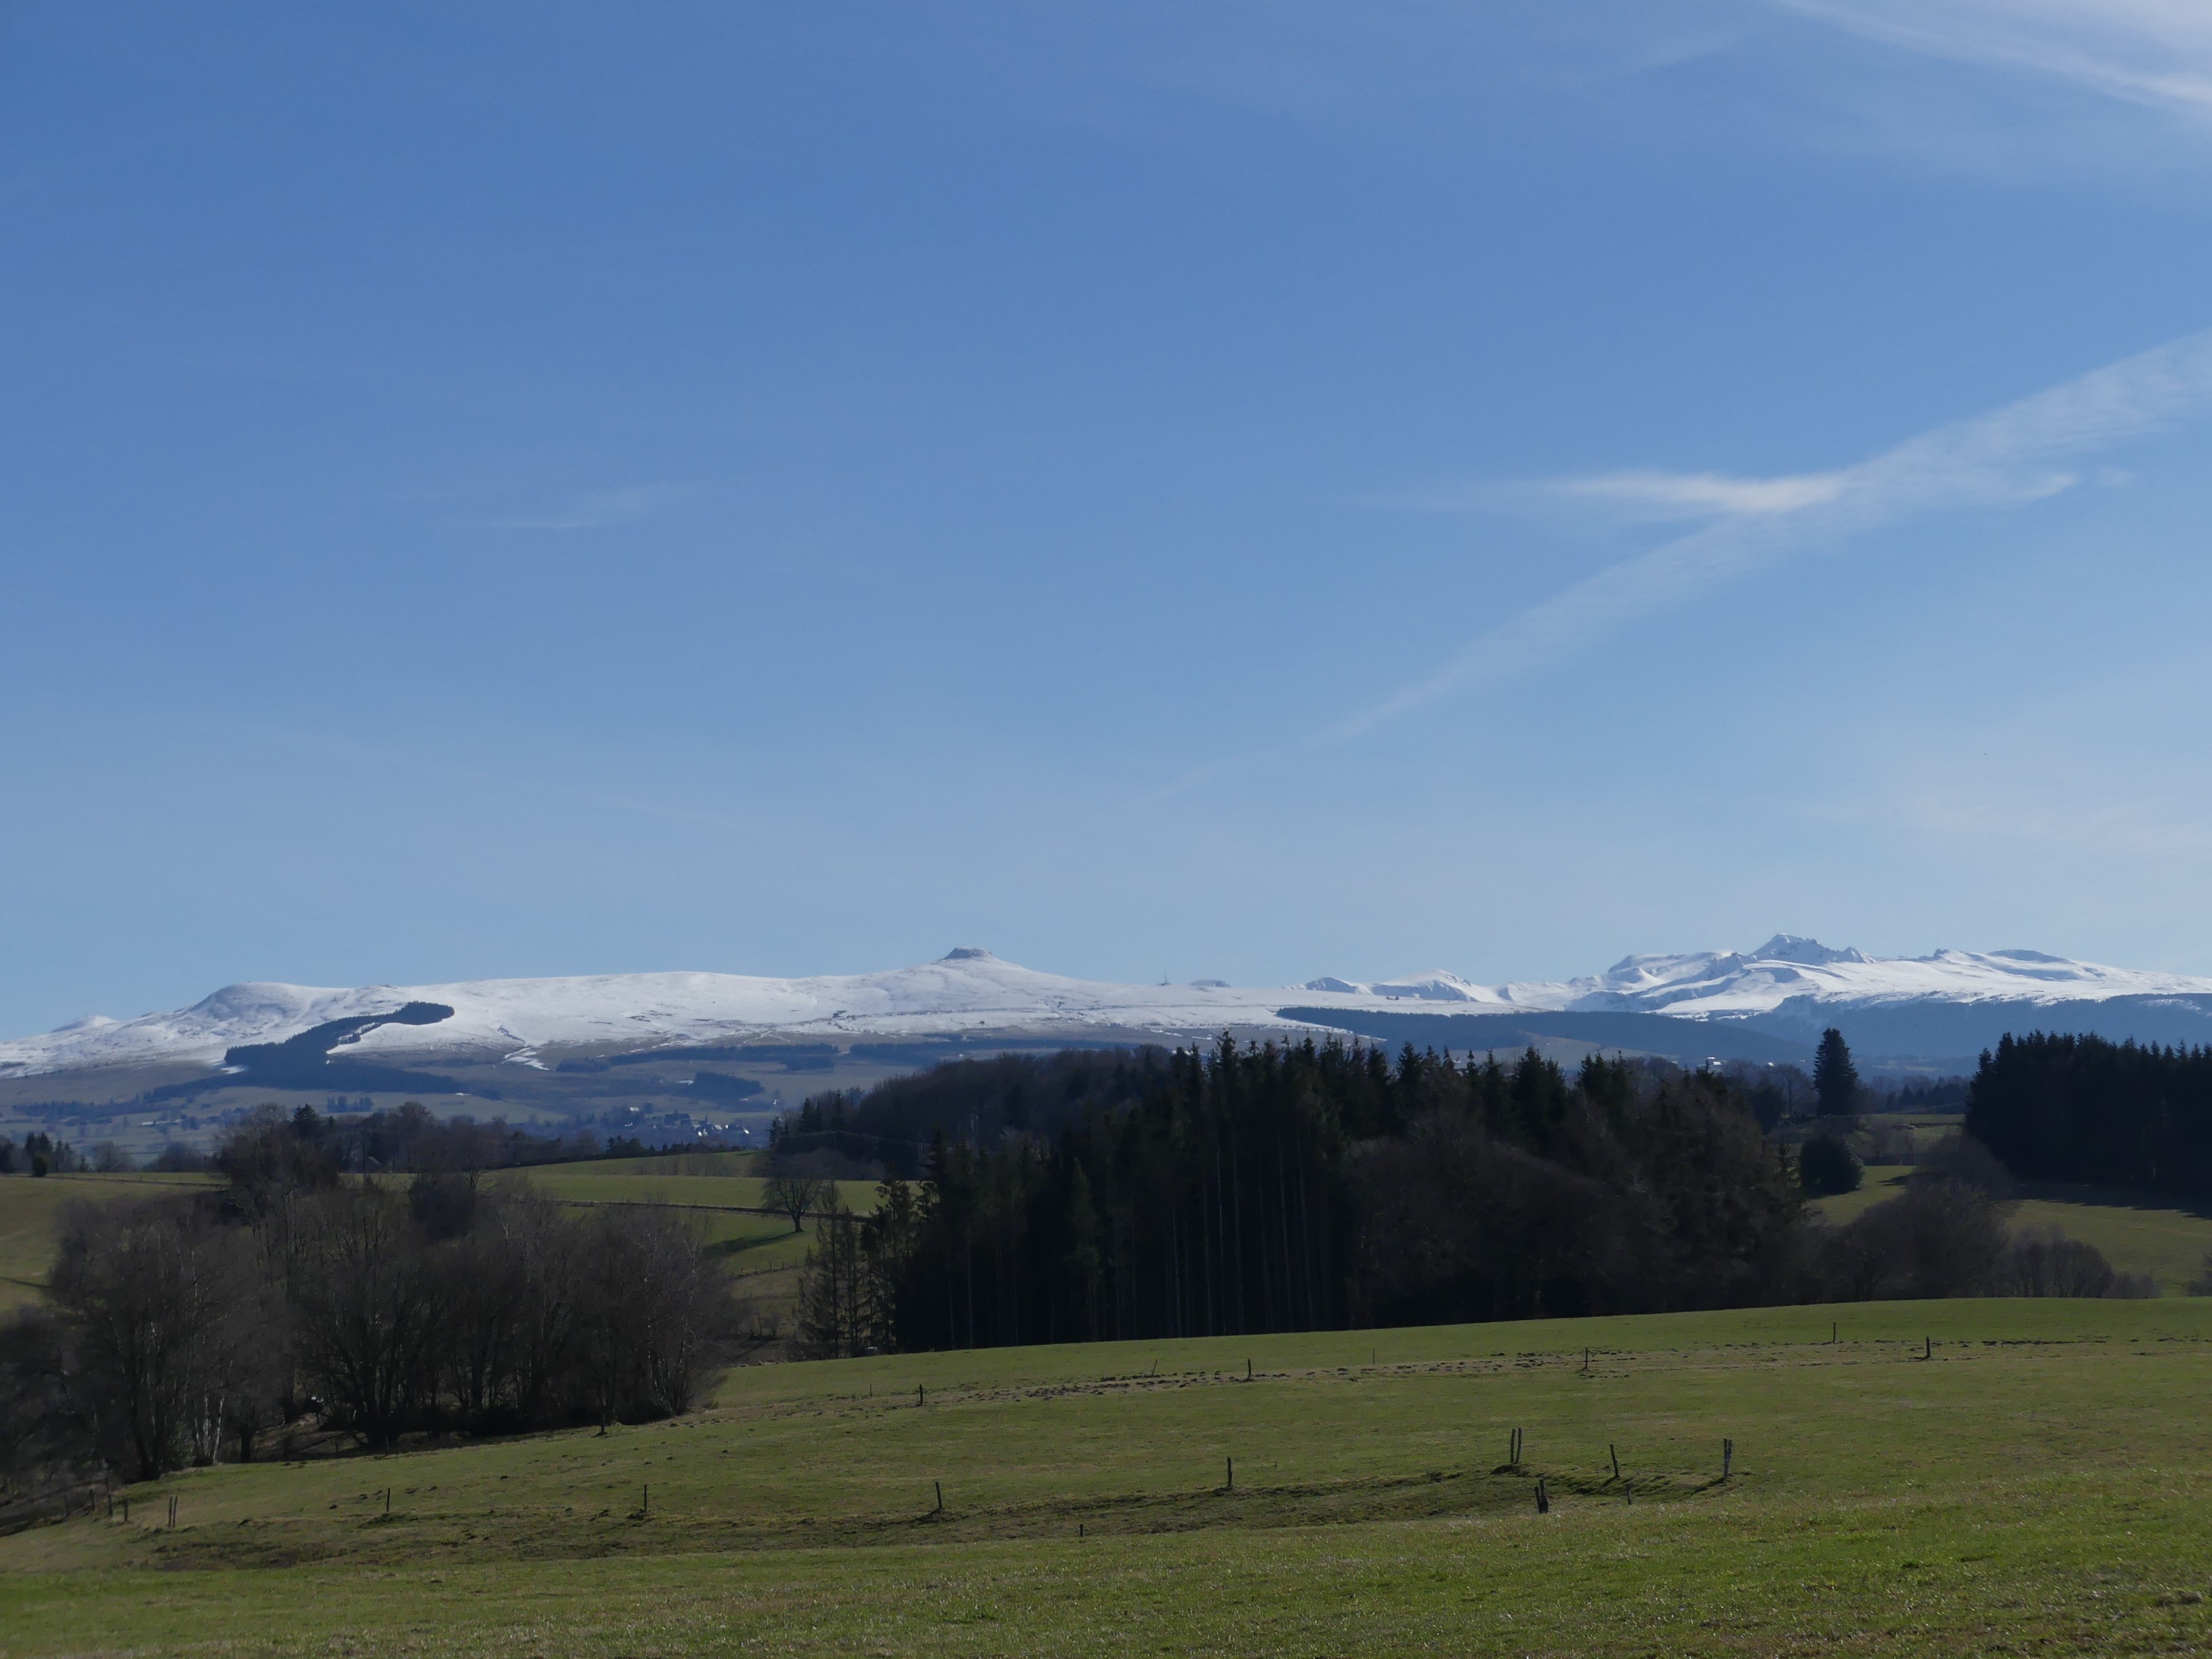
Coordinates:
[1835,1080]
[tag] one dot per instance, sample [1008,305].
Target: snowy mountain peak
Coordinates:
[1789,947]
[968,953]
[1437,984]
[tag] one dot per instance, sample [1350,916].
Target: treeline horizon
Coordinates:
[1322,1186]
[405,1140]
[2055,1106]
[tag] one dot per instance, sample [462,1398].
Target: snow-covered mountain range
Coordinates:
[1931,1005]
[1732,985]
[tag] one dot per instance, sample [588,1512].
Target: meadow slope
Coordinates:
[2168,1238]
[1998,1476]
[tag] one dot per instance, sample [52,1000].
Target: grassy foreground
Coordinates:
[2040,1483]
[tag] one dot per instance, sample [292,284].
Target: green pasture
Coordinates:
[1880,1181]
[1943,1477]
[662,1164]
[729,1208]
[2137,1233]
[608,1183]
[29,1206]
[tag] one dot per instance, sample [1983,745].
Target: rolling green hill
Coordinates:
[2039,1481]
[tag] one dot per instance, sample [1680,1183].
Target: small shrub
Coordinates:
[1826,1166]
[1965,1162]
[2048,1263]
[1893,1143]
[2202,1284]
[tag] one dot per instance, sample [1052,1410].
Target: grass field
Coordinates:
[2040,1483]
[28,1206]
[2138,1234]
[668,1163]
[610,1183]
[761,1249]
[1880,1181]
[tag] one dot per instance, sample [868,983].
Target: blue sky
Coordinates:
[1214,489]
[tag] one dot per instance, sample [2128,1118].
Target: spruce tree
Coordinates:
[1835,1080]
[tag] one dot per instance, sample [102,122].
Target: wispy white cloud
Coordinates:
[2013,455]
[2154,53]
[1700,495]
[1643,494]
[595,510]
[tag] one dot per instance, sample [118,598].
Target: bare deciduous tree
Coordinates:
[160,1298]
[793,1193]
[367,1309]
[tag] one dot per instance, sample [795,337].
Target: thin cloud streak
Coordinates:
[598,510]
[1700,495]
[1999,459]
[2152,52]
[1642,495]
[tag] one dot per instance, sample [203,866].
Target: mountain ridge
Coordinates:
[1790,985]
